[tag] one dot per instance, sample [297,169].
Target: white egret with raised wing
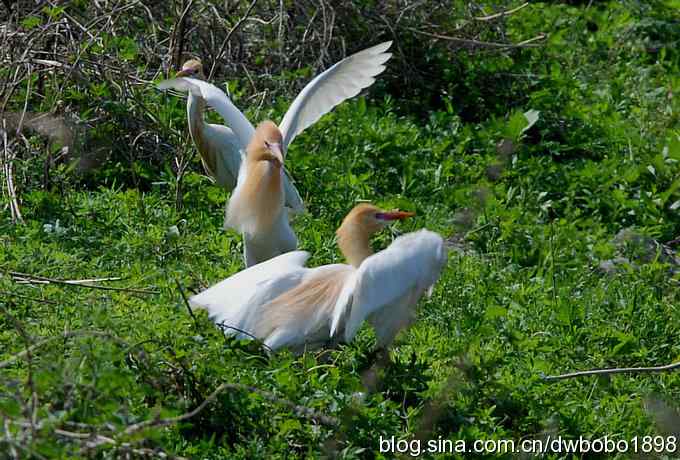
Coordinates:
[223,148]
[285,304]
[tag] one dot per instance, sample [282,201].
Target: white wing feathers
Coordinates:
[396,276]
[230,300]
[228,157]
[219,101]
[292,197]
[344,303]
[343,80]
[285,304]
[239,132]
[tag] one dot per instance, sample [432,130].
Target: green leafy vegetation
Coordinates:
[552,168]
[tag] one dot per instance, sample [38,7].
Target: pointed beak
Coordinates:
[394,215]
[185,73]
[277,152]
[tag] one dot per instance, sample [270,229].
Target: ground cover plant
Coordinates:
[543,143]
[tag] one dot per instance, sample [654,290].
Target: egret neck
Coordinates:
[258,203]
[355,232]
[195,110]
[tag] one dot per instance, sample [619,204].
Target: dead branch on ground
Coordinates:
[614,370]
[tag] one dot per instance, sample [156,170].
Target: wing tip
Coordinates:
[197,303]
[382,47]
[295,210]
[182,84]
[166,84]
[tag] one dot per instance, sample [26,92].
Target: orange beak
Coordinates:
[394,215]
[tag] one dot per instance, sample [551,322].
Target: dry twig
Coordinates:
[224,326]
[218,56]
[8,170]
[24,277]
[614,370]
[302,411]
[178,32]
[478,43]
[186,302]
[502,13]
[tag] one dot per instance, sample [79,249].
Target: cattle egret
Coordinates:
[285,304]
[223,148]
[256,206]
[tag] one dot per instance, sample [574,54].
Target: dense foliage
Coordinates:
[552,168]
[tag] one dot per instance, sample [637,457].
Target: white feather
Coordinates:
[231,300]
[228,162]
[219,101]
[384,290]
[279,240]
[297,332]
[344,303]
[408,267]
[231,142]
[341,81]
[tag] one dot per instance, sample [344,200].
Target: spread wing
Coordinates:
[230,300]
[391,282]
[227,158]
[223,158]
[292,198]
[343,80]
[219,101]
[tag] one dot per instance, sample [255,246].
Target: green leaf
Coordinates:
[516,125]
[289,426]
[495,312]
[30,22]
[54,12]
[674,147]
[519,123]
[626,343]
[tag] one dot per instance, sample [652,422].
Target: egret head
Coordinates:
[356,229]
[372,219]
[267,144]
[192,68]
[365,220]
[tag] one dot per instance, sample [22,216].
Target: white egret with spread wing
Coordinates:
[223,148]
[283,303]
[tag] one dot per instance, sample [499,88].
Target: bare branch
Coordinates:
[224,326]
[478,43]
[28,94]
[24,277]
[186,302]
[8,170]
[218,56]
[502,13]
[178,35]
[615,370]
